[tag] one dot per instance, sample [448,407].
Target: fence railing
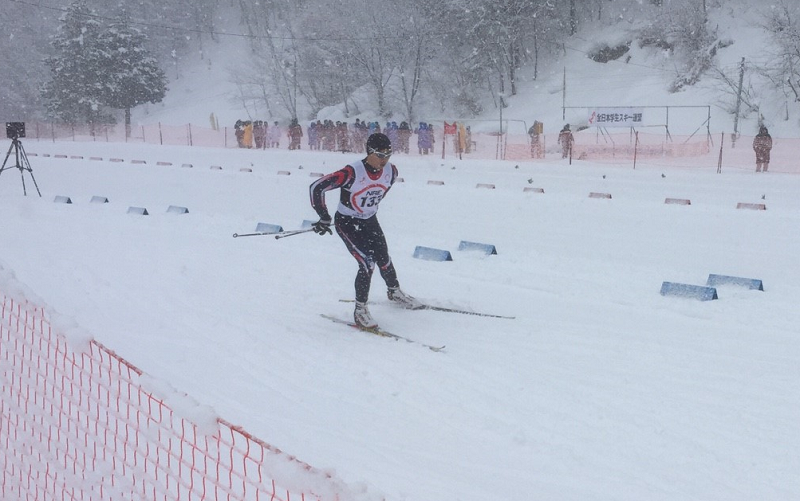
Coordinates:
[79,423]
[589,144]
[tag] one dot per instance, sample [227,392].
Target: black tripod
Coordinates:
[22,164]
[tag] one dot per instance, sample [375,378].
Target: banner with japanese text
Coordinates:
[616,117]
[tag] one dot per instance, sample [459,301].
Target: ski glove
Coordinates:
[322,227]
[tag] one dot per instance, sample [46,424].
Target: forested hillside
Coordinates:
[287,59]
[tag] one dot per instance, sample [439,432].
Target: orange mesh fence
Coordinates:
[593,145]
[738,154]
[79,424]
[172,135]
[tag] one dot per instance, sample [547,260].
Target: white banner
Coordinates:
[615,117]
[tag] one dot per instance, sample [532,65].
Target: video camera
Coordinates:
[15,130]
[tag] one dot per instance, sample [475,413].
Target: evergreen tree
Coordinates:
[74,93]
[22,51]
[131,75]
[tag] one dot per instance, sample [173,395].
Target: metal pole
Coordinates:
[564,95]
[738,105]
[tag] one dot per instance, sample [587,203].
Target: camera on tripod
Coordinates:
[15,130]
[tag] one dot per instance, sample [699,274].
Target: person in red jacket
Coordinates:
[762,145]
[362,184]
[566,140]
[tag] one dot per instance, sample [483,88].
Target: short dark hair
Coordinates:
[378,142]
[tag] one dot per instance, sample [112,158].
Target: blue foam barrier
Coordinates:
[98,200]
[138,210]
[689,291]
[268,228]
[60,199]
[750,283]
[487,249]
[431,254]
[175,209]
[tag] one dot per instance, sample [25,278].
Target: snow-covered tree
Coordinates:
[74,94]
[131,76]
[22,49]
[782,66]
[683,30]
[95,68]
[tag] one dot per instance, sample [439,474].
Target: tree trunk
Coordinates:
[573,18]
[381,95]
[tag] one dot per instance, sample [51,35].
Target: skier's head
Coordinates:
[379,144]
[379,149]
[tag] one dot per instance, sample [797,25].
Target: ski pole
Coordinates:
[285,234]
[281,234]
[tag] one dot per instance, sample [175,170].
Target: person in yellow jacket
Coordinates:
[247,138]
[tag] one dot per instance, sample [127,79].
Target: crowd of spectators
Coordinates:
[257,134]
[333,136]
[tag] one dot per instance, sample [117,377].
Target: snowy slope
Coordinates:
[599,389]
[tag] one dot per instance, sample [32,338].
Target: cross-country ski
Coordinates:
[425,306]
[380,332]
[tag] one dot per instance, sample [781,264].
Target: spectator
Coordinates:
[313,140]
[403,137]
[566,140]
[238,131]
[359,135]
[762,145]
[424,138]
[329,135]
[247,136]
[260,134]
[460,139]
[391,132]
[274,136]
[295,134]
[343,137]
[535,132]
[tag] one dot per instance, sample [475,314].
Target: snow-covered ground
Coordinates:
[600,388]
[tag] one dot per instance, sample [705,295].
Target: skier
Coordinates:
[363,184]
[762,145]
